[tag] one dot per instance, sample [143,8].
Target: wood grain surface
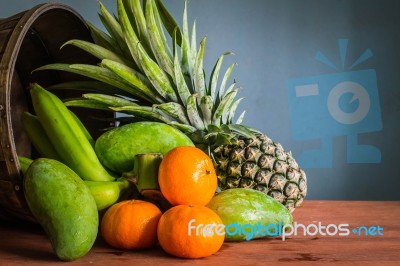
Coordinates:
[26,244]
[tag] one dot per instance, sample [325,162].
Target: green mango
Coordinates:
[249,214]
[63,205]
[117,147]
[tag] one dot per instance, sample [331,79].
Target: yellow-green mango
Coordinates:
[248,214]
[117,147]
[63,205]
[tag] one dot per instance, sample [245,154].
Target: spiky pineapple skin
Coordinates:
[262,164]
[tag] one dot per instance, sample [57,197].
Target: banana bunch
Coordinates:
[57,133]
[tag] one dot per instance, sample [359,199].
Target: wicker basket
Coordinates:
[28,40]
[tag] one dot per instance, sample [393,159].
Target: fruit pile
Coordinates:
[176,171]
[140,184]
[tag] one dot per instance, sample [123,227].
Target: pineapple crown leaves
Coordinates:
[138,65]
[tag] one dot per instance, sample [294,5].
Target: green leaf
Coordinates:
[161,28]
[198,74]
[193,114]
[187,58]
[85,103]
[135,13]
[225,129]
[169,21]
[129,34]
[174,110]
[213,128]
[134,78]
[98,73]
[103,39]
[253,130]
[114,28]
[109,100]
[240,118]
[146,112]
[99,52]
[230,88]
[223,107]
[157,76]
[154,73]
[157,39]
[222,139]
[232,111]
[193,45]
[206,107]
[228,109]
[88,86]
[241,130]
[215,74]
[225,80]
[182,88]
[187,129]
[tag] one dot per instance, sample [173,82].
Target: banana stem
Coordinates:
[123,183]
[144,176]
[145,171]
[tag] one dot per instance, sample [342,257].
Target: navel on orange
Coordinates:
[187,176]
[188,231]
[131,224]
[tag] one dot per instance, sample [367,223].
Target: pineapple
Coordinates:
[147,74]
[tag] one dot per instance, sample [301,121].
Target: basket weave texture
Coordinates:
[28,40]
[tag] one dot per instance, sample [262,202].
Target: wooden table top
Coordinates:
[22,244]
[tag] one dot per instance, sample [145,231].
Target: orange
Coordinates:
[131,224]
[187,176]
[188,231]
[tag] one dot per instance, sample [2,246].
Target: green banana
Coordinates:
[106,193]
[84,129]
[38,136]
[67,136]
